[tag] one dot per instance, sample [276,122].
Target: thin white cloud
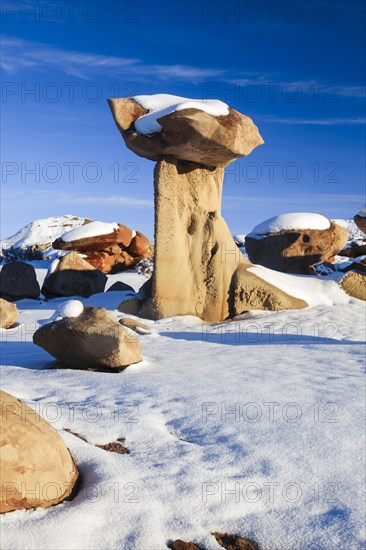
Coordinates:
[19,54]
[327,90]
[340,121]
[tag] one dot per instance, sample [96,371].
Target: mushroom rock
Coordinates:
[198,267]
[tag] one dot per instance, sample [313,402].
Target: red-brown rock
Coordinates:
[140,245]
[122,235]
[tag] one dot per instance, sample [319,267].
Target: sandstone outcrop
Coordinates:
[354,284]
[296,250]
[37,469]
[73,276]
[18,281]
[94,339]
[198,267]
[109,252]
[360,219]
[8,313]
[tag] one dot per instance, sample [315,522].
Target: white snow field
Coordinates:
[292,220]
[253,426]
[160,105]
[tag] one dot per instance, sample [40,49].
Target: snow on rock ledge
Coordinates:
[160,105]
[92,229]
[294,220]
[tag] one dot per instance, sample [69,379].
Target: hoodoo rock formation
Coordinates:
[198,267]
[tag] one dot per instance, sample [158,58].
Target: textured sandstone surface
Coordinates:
[8,313]
[354,283]
[37,469]
[18,280]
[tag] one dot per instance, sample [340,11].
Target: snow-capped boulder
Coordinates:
[360,219]
[73,276]
[37,469]
[109,247]
[18,280]
[200,131]
[93,339]
[295,243]
[94,236]
[8,313]
[354,284]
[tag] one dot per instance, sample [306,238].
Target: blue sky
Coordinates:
[296,68]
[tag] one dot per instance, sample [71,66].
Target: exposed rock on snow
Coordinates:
[295,249]
[198,268]
[107,247]
[130,305]
[233,542]
[18,281]
[73,276]
[360,219]
[94,339]
[181,545]
[189,134]
[37,469]
[8,313]
[354,284]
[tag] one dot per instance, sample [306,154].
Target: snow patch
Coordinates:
[93,229]
[312,290]
[362,212]
[294,220]
[160,105]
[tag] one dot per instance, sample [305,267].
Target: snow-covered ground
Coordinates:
[253,426]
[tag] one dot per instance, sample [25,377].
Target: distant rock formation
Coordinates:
[18,281]
[108,252]
[296,250]
[93,339]
[198,267]
[37,469]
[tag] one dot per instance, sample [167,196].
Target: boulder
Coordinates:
[37,469]
[94,339]
[140,245]
[123,235]
[73,276]
[296,250]
[354,284]
[190,134]
[360,219]
[18,280]
[8,313]
[119,286]
[110,252]
[130,305]
[198,270]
